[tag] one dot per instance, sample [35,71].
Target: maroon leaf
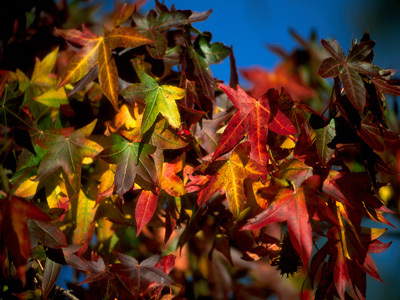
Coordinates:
[51,272]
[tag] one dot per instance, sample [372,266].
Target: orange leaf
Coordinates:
[108,75]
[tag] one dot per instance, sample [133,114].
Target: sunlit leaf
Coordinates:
[159,99]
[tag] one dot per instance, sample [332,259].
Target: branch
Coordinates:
[59,289]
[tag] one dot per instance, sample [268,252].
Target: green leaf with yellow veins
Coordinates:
[158,98]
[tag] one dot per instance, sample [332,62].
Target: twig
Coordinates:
[59,289]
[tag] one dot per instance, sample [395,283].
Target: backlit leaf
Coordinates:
[254,118]
[324,136]
[145,208]
[67,151]
[159,99]
[108,74]
[229,179]
[84,230]
[131,158]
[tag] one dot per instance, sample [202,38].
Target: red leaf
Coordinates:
[166,263]
[264,80]
[14,231]
[253,118]
[145,208]
[289,206]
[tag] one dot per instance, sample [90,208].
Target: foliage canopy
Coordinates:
[124,158]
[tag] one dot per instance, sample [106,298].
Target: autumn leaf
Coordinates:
[159,99]
[46,234]
[296,207]
[85,59]
[324,136]
[229,178]
[51,272]
[97,49]
[349,69]
[131,159]
[14,230]
[254,118]
[86,210]
[66,150]
[145,207]
[207,131]
[264,80]
[289,206]
[169,181]
[137,277]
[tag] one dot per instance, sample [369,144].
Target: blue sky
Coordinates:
[249,25]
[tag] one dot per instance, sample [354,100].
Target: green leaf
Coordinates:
[53,98]
[159,99]
[212,53]
[324,136]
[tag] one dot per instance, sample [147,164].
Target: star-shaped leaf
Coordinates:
[66,150]
[254,118]
[98,50]
[131,159]
[229,178]
[138,276]
[159,99]
[349,69]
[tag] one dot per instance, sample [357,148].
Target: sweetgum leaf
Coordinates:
[349,69]
[254,118]
[51,272]
[159,99]
[131,158]
[138,277]
[281,77]
[46,234]
[108,73]
[229,179]
[97,49]
[145,208]
[83,61]
[84,230]
[66,150]
[14,230]
[324,136]
[289,206]
[166,137]
[212,53]
[207,130]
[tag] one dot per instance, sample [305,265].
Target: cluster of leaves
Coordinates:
[123,147]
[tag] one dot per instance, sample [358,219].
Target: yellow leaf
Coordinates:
[53,98]
[108,75]
[27,188]
[128,117]
[84,230]
[43,68]
[81,63]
